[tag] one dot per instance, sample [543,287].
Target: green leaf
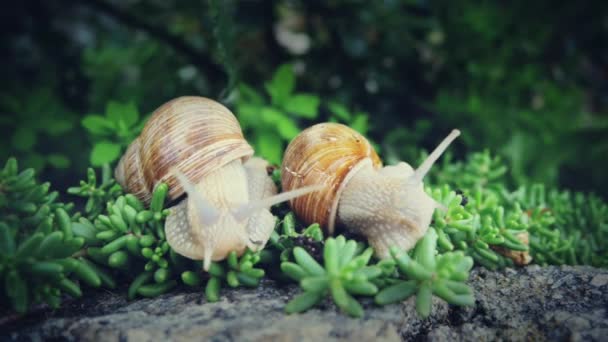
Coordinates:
[303,302]
[87,274]
[248,114]
[339,111]
[70,288]
[425,250]
[58,161]
[139,281]
[191,278]
[50,243]
[104,152]
[248,95]
[7,241]
[270,147]
[360,123]
[307,262]
[314,284]
[289,224]
[17,290]
[24,139]
[118,259]
[97,125]
[396,293]
[212,290]
[161,275]
[424,300]
[158,197]
[294,271]
[364,288]
[282,84]
[56,126]
[247,280]
[330,256]
[156,289]
[284,125]
[304,105]
[46,269]
[347,253]
[125,112]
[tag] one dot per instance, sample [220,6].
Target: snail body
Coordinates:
[196,146]
[387,205]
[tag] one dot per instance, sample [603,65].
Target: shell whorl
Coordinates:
[194,134]
[327,154]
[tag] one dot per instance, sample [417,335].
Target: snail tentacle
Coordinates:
[424,168]
[207,214]
[246,210]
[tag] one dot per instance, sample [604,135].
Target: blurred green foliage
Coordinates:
[522,79]
[277,121]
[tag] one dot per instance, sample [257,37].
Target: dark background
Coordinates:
[527,80]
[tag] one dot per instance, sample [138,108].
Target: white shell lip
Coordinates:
[331,225]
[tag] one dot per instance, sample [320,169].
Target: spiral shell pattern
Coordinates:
[328,154]
[194,134]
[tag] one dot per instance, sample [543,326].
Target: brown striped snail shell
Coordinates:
[193,134]
[195,145]
[387,205]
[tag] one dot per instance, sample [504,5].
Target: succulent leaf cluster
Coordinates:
[285,237]
[480,227]
[234,272]
[345,274]
[126,237]
[495,225]
[427,273]
[48,251]
[97,195]
[129,239]
[565,227]
[39,259]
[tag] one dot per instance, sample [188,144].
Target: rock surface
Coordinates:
[532,303]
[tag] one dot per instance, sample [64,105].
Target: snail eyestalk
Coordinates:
[208,255]
[424,168]
[248,209]
[206,212]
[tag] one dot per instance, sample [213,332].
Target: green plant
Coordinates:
[123,235]
[113,132]
[271,125]
[234,271]
[443,275]
[39,252]
[566,227]
[275,123]
[46,252]
[97,195]
[562,227]
[345,273]
[36,120]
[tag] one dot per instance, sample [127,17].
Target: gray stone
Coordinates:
[533,303]
[600,280]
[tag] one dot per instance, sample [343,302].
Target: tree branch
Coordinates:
[176,42]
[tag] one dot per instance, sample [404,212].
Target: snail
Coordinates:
[387,205]
[195,145]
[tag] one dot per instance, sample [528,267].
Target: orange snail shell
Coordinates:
[194,134]
[328,154]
